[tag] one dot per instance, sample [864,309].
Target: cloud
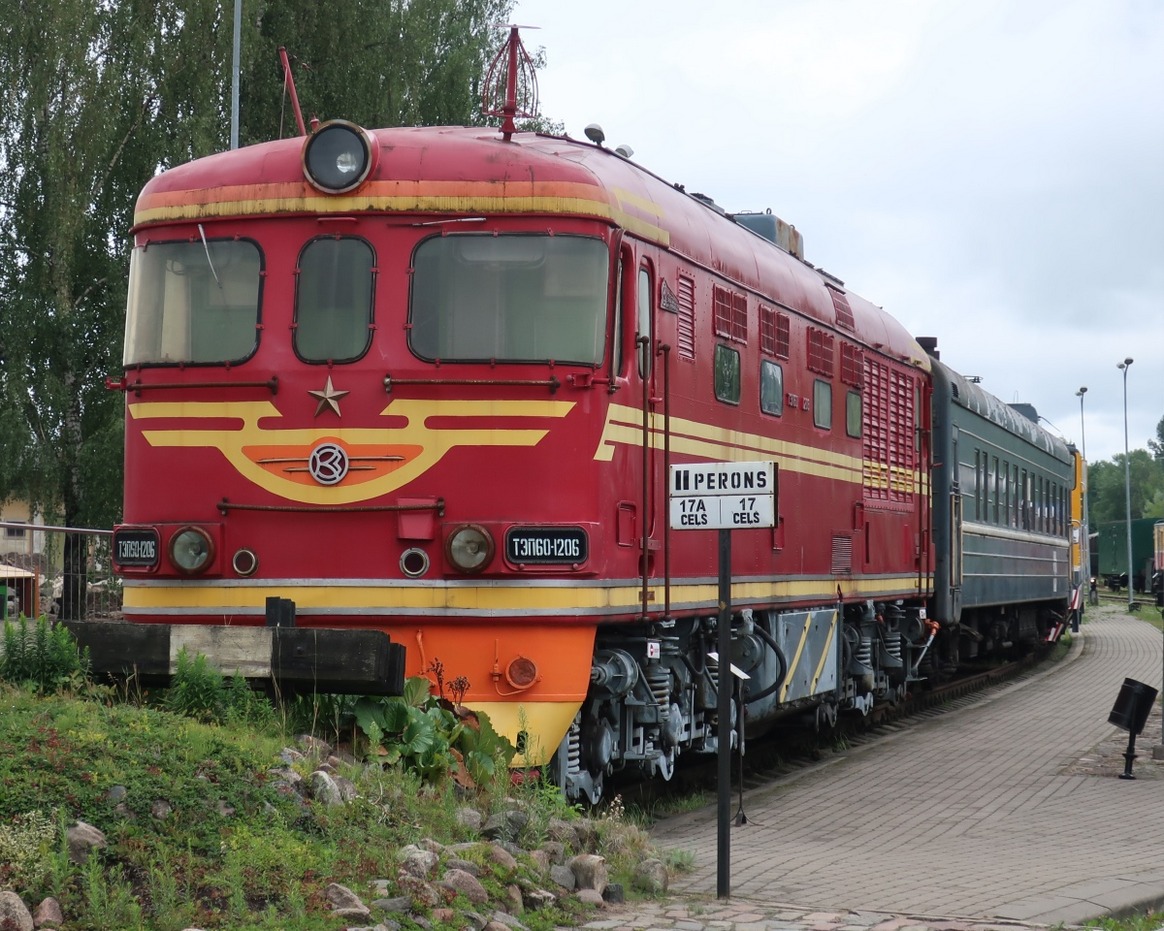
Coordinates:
[991,173]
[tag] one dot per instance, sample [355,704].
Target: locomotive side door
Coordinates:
[652,485]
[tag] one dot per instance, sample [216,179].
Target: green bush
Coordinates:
[434,738]
[42,655]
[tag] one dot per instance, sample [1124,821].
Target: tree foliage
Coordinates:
[1107,499]
[97,98]
[389,63]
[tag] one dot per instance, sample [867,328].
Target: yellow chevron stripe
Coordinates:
[623,426]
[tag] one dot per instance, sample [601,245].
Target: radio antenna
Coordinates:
[513,92]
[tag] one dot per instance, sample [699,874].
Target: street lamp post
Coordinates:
[1124,366]
[1085,542]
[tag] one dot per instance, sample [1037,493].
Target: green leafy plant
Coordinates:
[433,737]
[197,688]
[26,845]
[42,655]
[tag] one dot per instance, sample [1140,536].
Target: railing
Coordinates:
[32,568]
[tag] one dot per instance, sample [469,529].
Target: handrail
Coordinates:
[137,387]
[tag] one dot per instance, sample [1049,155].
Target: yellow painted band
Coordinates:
[516,598]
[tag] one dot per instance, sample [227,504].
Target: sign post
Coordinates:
[723,496]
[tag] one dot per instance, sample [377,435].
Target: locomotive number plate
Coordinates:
[547,546]
[137,547]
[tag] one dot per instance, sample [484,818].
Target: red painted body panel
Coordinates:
[499,445]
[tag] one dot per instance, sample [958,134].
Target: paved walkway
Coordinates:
[981,816]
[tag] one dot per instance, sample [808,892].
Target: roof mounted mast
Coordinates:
[518,95]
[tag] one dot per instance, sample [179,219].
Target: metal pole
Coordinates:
[1123,366]
[234,66]
[1085,543]
[723,885]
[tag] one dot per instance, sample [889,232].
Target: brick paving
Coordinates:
[992,814]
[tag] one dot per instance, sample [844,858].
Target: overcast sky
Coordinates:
[991,173]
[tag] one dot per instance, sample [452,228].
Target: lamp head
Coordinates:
[1081,392]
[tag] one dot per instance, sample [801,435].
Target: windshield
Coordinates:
[192,302]
[521,298]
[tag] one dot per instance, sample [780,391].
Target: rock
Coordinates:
[346,788]
[591,897]
[502,857]
[505,825]
[345,902]
[417,862]
[322,788]
[455,863]
[422,894]
[563,833]
[396,905]
[590,871]
[563,876]
[289,755]
[83,838]
[313,747]
[514,904]
[541,859]
[13,913]
[465,884]
[47,915]
[650,876]
[469,818]
[539,898]
[556,851]
[587,832]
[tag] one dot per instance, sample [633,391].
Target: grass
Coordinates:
[1152,921]
[202,829]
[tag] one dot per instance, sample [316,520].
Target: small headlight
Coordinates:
[191,550]
[338,156]
[470,548]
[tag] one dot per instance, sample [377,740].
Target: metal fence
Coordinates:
[32,569]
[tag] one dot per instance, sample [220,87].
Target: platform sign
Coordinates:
[723,495]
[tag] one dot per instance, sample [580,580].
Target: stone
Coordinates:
[323,789]
[83,839]
[590,871]
[47,915]
[418,862]
[14,913]
[650,876]
[344,901]
[465,884]
[563,876]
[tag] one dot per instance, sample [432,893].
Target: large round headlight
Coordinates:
[338,156]
[470,548]
[191,550]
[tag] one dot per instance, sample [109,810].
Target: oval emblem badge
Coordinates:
[328,464]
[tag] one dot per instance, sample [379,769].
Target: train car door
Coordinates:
[652,486]
[955,528]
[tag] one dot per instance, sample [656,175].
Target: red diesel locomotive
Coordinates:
[430,382]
